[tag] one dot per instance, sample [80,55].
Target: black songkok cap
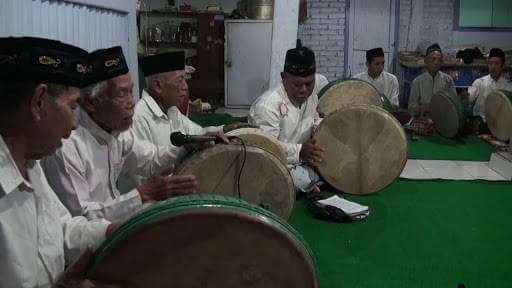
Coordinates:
[39,59]
[300,61]
[374,53]
[161,63]
[497,52]
[106,64]
[432,48]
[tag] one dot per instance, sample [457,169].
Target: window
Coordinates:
[494,15]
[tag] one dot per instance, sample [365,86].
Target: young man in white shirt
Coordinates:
[288,112]
[386,83]
[84,171]
[481,87]
[39,80]
[429,82]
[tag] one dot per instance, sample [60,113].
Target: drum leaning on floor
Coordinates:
[344,92]
[447,113]
[366,149]
[263,179]
[259,138]
[498,114]
[205,241]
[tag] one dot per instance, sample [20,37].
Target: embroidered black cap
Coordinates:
[161,63]
[39,59]
[374,53]
[106,64]
[497,52]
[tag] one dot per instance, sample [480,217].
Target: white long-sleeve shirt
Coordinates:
[292,125]
[151,124]
[38,236]
[84,171]
[386,83]
[481,87]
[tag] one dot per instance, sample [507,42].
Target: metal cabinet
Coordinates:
[248,49]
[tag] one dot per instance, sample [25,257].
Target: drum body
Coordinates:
[347,92]
[264,179]
[205,241]
[259,138]
[498,114]
[447,113]
[366,149]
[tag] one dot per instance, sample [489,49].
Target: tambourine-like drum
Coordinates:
[205,241]
[262,178]
[498,114]
[344,92]
[447,113]
[259,138]
[366,149]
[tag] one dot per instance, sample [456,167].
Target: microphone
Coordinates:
[179,139]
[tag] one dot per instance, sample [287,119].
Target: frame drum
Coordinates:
[346,92]
[264,179]
[498,114]
[205,241]
[366,149]
[447,113]
[259,138]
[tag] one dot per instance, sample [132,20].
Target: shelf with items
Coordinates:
[170,45]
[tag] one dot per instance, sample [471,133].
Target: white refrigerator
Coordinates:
[248,49]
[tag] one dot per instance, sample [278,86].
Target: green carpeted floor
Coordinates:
[419,233]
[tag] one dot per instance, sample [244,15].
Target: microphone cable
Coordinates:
[243,153]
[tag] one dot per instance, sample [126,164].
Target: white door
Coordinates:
[247,61]
[371,25]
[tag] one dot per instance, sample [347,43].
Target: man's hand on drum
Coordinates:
[237,125]
[311,153]
[161,187]
[199,146]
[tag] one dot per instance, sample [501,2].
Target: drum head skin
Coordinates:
[498,114]
[199,241]
[346,92]
[366,149]
[265,180]
[257,137]
[447,112]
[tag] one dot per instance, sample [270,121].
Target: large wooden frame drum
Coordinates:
[344,92]
[498,114]
[264,180]
[205,241]
[366,149]
[447,113]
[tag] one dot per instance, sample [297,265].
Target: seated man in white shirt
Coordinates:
[288,112]
[477,93]
[386,83]
[429,82]
[157,114]
[84,171]
[39,80]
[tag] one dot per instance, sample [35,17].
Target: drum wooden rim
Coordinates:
[210,206]
[323,134]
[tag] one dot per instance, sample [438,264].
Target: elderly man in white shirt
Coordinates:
[386,83]
[157,114]
[39,82]
[288,112]
[429,82]
[84,171]
[477,93]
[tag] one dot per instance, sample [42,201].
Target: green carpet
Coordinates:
[419,233]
